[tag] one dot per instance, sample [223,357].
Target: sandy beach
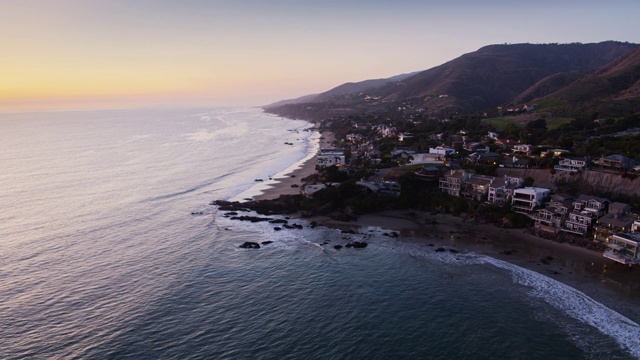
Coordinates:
[292,183]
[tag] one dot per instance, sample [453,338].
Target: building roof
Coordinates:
[614,220]
[619,206]
[586,198]
[499,182]
[480,180]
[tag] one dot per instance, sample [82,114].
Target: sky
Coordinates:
[122,53]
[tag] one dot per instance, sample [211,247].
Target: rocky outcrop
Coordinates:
[250,245]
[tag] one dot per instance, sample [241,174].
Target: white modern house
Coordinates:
[441,150]
[526,199]
[329,157]
[623,248]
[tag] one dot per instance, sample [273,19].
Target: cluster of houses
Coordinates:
[610,223]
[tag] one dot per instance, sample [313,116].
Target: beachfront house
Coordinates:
[578,223]
[330,157]
[623,248]
[451,182]
[620,219]
[525,200]
[595,205]
[548,220]
[477,187]
[502,188]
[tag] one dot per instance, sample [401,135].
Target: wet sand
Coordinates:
[283,185]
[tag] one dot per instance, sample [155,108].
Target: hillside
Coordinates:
[341,90]
[491,76]
[618,80]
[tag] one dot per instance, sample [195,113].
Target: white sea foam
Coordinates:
[570,301]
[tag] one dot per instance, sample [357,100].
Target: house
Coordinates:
[616,163]
[428,173]
[451,182]
[389,188]
[522,149]
[578,223]
[477,187]
[505,143]
[514,162]
[441,150]
[548,219]
[502,188]
[623,248]
[405,136]
[427,159]
[527,199]
[329,157]
[572,165]
[484,158]
[559,152]
[591,204]
[635,227]
[476,147]
[618,220]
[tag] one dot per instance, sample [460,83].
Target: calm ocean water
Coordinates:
[100,257]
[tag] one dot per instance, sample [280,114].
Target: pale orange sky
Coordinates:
[93,53]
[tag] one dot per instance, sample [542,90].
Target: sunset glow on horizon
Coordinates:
[126,53]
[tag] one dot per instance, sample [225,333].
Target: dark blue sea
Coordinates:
[102,258]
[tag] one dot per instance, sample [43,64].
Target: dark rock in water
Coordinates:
[266,242]
[337,247]
[259,180]
[453,251]
[293,176]
[348,232]
[431,245]
[295,185]
[277,228]
[298,226]
[357,245]
[231,213]
[394,235]
[250,245]
[288,226]
[440,249]
[313,224]
[278,221]
[197,213]
[250,218]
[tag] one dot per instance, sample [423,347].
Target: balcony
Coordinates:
[618,257]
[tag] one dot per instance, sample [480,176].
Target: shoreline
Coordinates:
[615,285]
[291,183]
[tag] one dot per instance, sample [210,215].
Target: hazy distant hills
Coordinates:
[495,75]
[341,90]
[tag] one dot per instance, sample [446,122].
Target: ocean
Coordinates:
[110,249]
